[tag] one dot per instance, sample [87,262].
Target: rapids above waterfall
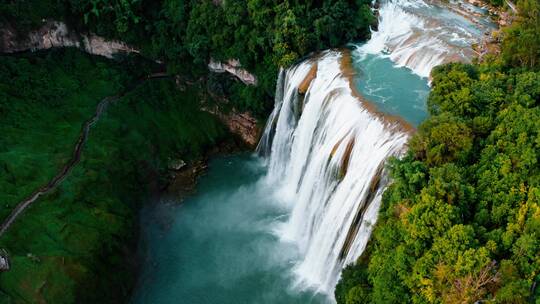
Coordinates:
[420,35]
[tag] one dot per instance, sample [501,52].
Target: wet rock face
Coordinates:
[57,34]
[233,67]
[304,85]
[242,124]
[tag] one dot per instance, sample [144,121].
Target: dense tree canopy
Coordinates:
[522,43]
[262,34]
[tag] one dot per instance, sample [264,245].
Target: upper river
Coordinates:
[279,228]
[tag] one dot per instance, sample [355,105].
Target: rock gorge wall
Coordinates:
[55,34]
[242,124]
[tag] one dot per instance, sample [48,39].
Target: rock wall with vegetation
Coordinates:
[54,34]
[262,35]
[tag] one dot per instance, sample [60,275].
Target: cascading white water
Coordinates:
[421,35]
[326,154]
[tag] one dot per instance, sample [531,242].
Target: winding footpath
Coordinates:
[76,157]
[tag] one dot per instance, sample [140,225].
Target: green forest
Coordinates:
[75,240]
[460,223]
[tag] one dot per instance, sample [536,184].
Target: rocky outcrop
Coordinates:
[312,74]
[501,16]
[233,67]
[57,34]
[491,41]
[242,124]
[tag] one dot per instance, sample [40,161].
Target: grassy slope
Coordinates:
[69,246]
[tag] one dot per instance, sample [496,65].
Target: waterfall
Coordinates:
[326,151]
[421,35]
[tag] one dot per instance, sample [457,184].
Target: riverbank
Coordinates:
[500,16]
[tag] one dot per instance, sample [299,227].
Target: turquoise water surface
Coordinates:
[218,245]
[394,90]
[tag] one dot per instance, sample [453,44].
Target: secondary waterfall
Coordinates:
[326,155]
[421,35]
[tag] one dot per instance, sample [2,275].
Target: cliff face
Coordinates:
[242,124]
[57,34]
[233,66]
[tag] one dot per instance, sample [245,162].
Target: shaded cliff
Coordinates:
[55,34]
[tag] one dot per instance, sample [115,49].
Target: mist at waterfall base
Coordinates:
[279,228]
[219,245]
